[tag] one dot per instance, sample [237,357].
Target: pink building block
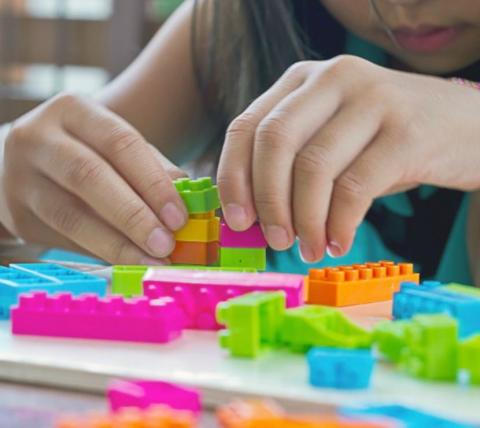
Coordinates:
[199,292]
[142,394]
[90,317]
[250,238]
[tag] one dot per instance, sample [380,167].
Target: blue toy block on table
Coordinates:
[23,278]
[431,298]
[409,418]
[340,368]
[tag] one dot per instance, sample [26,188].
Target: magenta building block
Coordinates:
[250,238]
[142,394]
[198,292]
[90,317]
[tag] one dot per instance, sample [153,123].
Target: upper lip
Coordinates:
[420,30]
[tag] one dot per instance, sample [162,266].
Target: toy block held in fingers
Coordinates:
[250,238]
[200,196]
[195,253]
[199,230]
[243,257]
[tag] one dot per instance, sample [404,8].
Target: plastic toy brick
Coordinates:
[340,368]
[463,289]
[357,284]
[431,297]
[143,394]
[250,238]
[195,253]
[200,230]
[199,195]
[406,416]
[469,358]
[431,351]
[153,417]
[199,292]
[309,326]
[88,317]
[243,257]
[202,216]
[389,337]
[253,322]
[23,278]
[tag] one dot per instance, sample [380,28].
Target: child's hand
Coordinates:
[78,176]
[310,155]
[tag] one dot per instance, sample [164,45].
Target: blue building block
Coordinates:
[408,417]
[340,368]
[23,278]
[432,297]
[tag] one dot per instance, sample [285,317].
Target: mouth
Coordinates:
[426,39]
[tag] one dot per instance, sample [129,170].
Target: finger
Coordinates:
[328,153]
[71,218]
[130,155]
[234,177]
[376,170]
[279,137]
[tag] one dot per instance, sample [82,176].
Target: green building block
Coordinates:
[463,289]
[308,326]
[469,358]
[243,257]
[253,321]
[200,196]
[389,336]
[431,351]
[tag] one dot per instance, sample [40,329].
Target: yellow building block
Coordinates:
[199,230]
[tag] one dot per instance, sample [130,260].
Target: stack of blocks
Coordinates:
[197,242]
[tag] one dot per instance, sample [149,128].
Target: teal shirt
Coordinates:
[368,245]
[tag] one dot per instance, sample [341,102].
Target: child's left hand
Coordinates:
[313,152]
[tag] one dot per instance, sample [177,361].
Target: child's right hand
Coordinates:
[76,175]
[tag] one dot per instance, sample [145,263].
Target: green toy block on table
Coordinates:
[469,358]
[200,196]
[308,326]
[243,257]
[389,336]
[253,321]
[431,347]
[463,289]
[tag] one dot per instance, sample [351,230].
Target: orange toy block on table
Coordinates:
[195,253]
[357,284]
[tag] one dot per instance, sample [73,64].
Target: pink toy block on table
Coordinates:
[250,238]
[89,317]
[199,292]
[142,394]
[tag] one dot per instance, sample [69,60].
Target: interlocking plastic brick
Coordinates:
[195,253]
[463,289]
[202,216]
[143,394]
[431,347]
[309,326]
[340,368]
[389,337]
[253,322]
[153,417]
[250,238]
[430,298]
[23,278]
[357,284]
[408,417]
[469,358]
[199,230]
[199,195]
[88,317]
[199,292]
[243,257]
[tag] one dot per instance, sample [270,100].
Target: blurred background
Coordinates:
[47,46]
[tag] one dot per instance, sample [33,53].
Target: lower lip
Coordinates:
[427,42]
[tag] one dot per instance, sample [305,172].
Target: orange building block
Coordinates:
[195,253]
[357,284]
[202,216]
[199,230]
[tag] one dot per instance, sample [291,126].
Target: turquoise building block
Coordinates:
[200,196]
[253,321]
[243,258]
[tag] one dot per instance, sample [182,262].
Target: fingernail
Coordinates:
[148,261]
[172,216]
[334,249]
[236,216]
[160,242]
[306,253]
[277,237]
